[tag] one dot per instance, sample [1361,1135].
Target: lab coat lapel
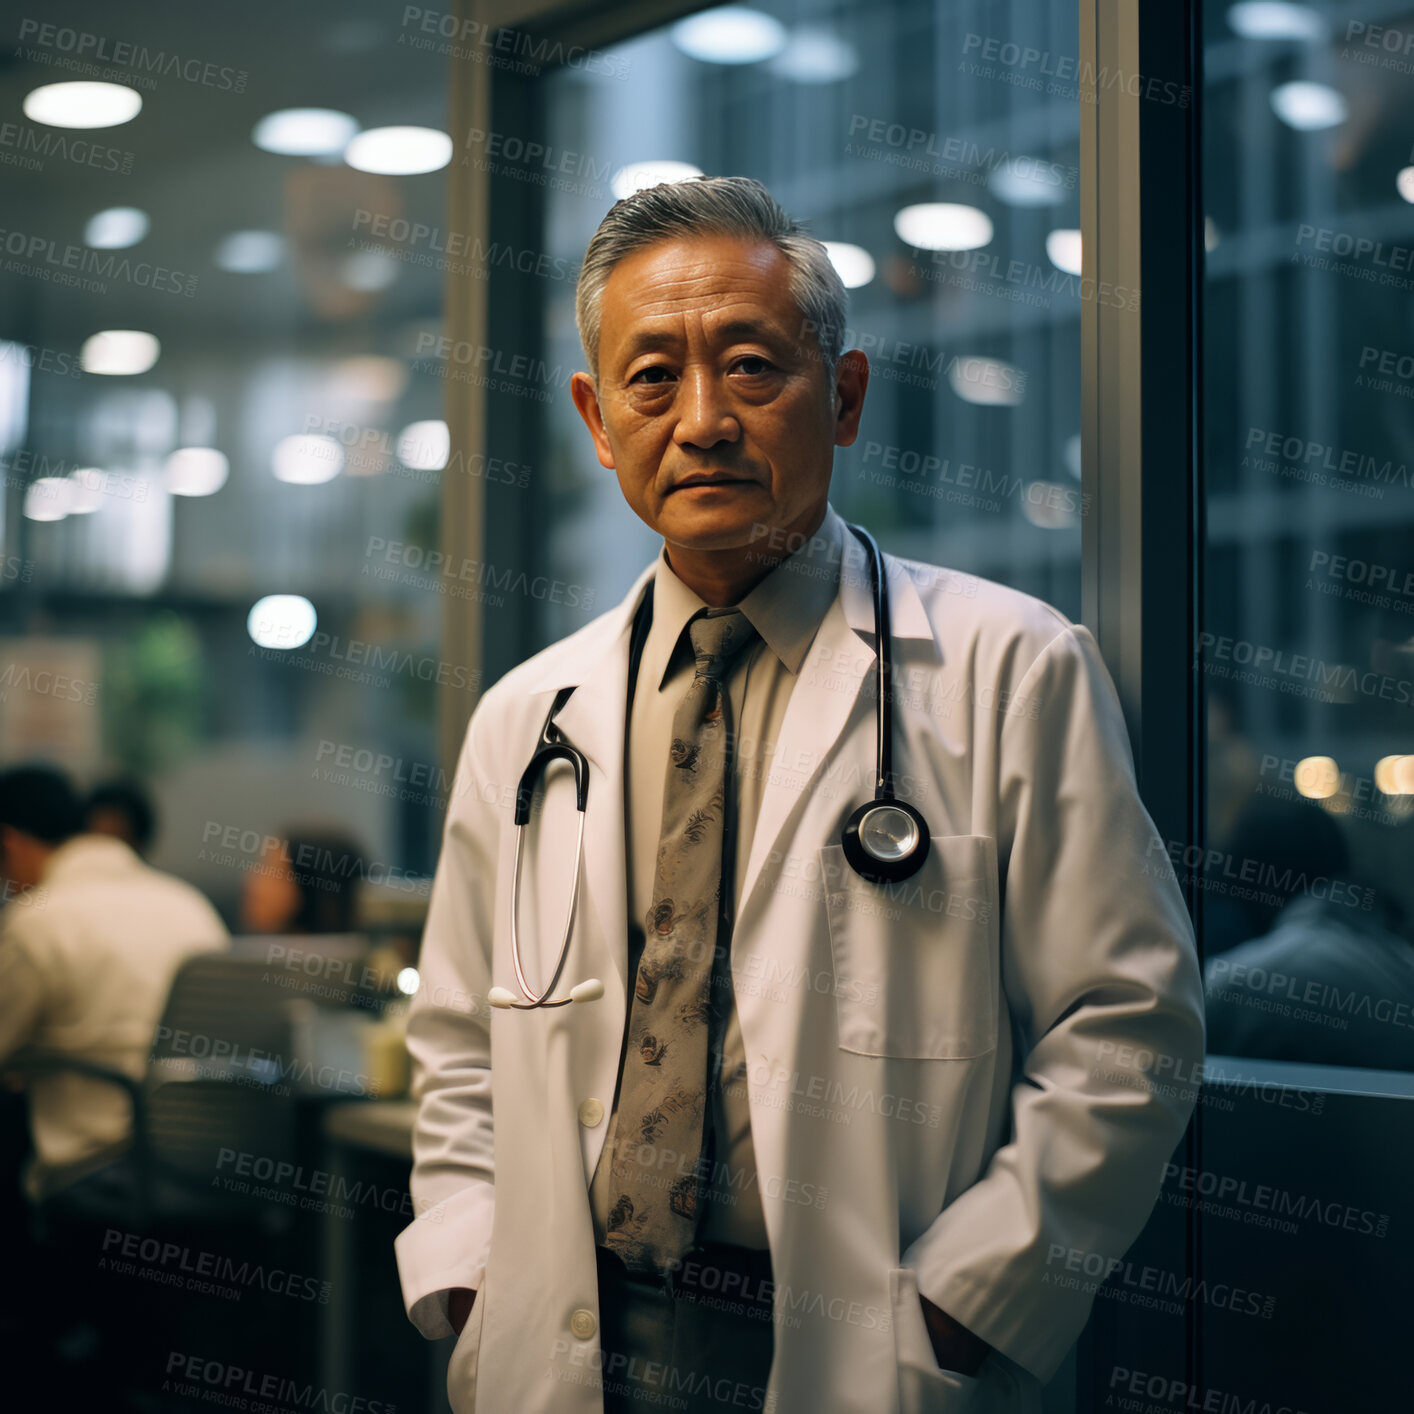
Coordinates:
[837,667]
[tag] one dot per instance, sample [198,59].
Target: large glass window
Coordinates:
[935,147]
[222,473]
[1307,643]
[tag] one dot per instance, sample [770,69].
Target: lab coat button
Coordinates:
[590,1113]
[582,1324]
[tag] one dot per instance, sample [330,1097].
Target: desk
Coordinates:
[368,1143]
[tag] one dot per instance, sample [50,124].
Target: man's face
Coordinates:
[712,403]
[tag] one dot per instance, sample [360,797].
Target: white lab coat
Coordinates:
[896,1148]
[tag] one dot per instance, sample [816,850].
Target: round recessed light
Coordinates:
[50,498]
[987,382]
[639,176]
[943,225]
[853,264]
[116,228]
[282,621]
[1028,181]
[816,55]
[119,352]
[82,105]
[424,446]
[89,485]
[1063,250]
[730,34]
[399,152]
[196,471]
[1316,777]
[304,132]
[1308,107]
[1404,183]
[1275,19]
[305,460]
[249,252]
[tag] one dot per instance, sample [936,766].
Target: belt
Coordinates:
[708,1270]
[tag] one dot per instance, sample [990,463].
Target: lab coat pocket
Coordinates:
[924,1386]
[461,1368]
[916,961]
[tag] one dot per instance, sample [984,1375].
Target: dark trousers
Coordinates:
[692,1350]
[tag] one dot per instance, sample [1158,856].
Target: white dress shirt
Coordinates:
[87,959]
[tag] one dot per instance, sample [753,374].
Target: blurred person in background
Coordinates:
[123,809]
[305,884]
[1329,977]
[91,940]
[1279,842]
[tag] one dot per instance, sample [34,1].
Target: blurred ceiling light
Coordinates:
[369,271]
[281,621]
[1063,250]
[1404,183]
[249,252]
[730,34]
[305,132]
[49,498]
[399,152]
[1073,462]
[424,446]
[1394,775]
[305,460]
[196,471]
[943,225]
[987,382]
[1316,777]
[1027,181]
[83,105]
[1049,506]
[816,55]
[89,485]
[409,980]
[116,228]
[1404,775]
[1308,107]
[639,176]
[853,264]
[371,378]
[119,352]
[1274,19]
[1212,237]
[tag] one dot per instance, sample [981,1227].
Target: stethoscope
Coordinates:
[884,841]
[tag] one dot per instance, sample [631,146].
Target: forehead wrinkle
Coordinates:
[663,319]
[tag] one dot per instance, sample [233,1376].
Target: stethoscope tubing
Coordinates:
[868,866]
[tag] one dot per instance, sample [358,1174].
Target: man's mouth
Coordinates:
[705,478]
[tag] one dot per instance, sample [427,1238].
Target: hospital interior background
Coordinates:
[292,473]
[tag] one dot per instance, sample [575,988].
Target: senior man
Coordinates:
[802,1141]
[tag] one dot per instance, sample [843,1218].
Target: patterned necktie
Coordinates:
[658,1147]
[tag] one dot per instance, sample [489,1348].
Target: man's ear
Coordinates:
[851,381]
[586,399]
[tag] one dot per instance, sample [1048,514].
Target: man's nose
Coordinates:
[705,417]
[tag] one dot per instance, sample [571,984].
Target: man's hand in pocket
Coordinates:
[954,1346]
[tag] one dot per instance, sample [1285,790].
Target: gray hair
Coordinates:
[728,206]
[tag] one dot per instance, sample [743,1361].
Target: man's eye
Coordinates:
[753,365]
[649,374]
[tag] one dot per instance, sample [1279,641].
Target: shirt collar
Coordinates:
[786,608]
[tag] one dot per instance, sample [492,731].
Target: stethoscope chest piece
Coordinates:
[885,841]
